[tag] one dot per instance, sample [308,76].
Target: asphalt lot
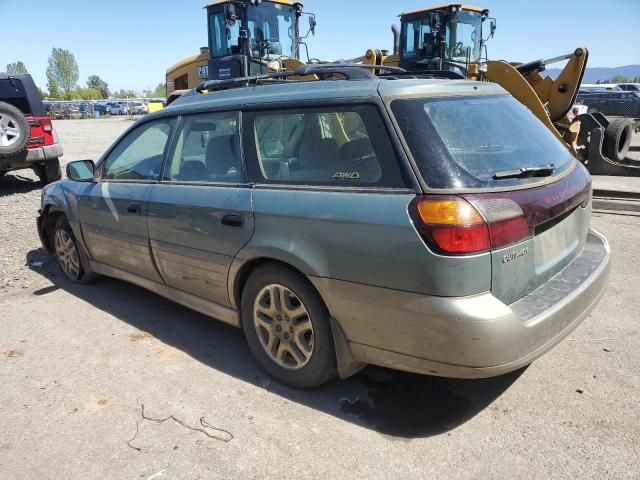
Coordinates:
[111,381]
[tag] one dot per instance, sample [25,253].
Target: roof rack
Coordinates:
[350,71]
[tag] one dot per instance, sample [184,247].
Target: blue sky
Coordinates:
[131,43]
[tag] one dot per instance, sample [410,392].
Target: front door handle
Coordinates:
[134,208]
[232,220]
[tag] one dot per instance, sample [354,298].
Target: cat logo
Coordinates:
[346,176]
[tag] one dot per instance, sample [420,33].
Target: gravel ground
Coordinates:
[111,381]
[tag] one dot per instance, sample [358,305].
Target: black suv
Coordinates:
[27,138]
[610,102]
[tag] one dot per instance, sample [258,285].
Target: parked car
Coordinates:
[117,109]
[601,87]
[102,107]
[433,226]
[138,108]
[610,103]
[630,87]
[27,137]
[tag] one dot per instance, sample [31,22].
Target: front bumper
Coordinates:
[32,156]
[467,337]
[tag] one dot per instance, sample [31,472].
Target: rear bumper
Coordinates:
[32,156]
[468,337]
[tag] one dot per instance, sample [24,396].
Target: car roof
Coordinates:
[279,93]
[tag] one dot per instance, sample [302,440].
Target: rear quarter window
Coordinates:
[328,146]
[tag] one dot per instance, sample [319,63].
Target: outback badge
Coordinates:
[509,257]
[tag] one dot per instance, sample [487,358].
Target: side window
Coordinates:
[331,146]
[182,82]
[207,149]
[139,155]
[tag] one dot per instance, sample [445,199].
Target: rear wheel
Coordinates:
[14,131]
[287,327]
[48,171]
[617,139]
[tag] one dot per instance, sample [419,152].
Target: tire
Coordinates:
[14,131]
[288,362]
[49,171]
[72,262]
[617,139]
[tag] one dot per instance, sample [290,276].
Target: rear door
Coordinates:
[200,214]
[113,210]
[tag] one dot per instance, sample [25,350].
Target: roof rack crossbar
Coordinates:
[351,71]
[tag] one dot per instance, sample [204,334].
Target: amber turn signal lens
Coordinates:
[450,211]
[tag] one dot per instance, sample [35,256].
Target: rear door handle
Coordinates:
[134,208]
[232,220]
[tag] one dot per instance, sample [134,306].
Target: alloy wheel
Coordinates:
[283,326]
[9,130]
[67,254]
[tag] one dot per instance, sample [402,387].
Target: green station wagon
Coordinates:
[427,225]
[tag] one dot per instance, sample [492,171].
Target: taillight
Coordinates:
[41,131]
[455,226]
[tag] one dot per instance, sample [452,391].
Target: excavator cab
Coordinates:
[253,36]
[445,38]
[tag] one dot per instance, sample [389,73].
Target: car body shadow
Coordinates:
[398,404]
[13,183]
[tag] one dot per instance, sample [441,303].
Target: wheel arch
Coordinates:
[240,272]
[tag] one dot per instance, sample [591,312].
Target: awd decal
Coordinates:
[346,176]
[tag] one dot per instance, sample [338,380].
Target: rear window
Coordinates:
[463,142]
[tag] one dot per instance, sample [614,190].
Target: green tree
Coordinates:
[619,79]
[42,93]
[159,92]
[89,94]
[96,83]
[122,93]
[52,86]
[16,67]
[63,69]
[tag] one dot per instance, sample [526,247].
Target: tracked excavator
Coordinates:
[451,41]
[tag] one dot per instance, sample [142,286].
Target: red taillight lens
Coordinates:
[452,225]
[462,239]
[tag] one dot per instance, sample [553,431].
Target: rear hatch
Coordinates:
[513,188]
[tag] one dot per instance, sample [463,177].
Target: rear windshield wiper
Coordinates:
[525,172]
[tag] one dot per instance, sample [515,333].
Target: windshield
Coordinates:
[462,142]
[271,32]
[463,34]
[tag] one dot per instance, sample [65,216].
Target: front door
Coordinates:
[200,214]
[113,210]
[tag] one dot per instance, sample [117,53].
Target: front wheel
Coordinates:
[68,253]
[287,327]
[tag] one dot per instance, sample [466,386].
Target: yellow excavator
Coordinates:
[451,41]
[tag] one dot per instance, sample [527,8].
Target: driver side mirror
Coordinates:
[312,24]
[81,170]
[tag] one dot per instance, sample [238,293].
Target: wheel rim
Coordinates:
[9,131]
[67,255]
[283,326]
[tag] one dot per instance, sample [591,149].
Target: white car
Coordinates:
[138,108]
[118,109]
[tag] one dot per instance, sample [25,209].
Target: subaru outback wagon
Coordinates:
[427,225]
